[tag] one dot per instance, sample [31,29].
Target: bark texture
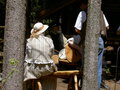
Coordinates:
[14,36]
[90,75]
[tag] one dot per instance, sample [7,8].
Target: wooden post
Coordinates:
[39,85]
[75,82]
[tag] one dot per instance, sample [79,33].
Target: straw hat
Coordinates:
[118,28]
[39,28]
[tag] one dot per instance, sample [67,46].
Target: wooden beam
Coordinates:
[66,73]
[2,27]
[75,82]
[46,12]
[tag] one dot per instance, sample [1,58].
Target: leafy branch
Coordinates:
[13,62]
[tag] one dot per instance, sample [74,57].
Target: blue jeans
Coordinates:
[100,55]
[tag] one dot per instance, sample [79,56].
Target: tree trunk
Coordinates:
[90,75]
[14,36]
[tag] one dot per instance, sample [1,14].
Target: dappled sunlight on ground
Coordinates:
[112,85]
[61,85]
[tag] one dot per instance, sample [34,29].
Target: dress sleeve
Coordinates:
[28,51]
[80,20]
[51,47]
[118,28]
[105,20]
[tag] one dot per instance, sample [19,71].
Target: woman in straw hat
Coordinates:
[39,50]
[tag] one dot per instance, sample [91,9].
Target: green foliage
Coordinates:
[35,6]
[47,21]
[13,63]
[2,2]
[106,70]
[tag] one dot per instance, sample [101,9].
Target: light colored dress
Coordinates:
[38,60]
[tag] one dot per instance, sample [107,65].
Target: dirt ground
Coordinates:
[112,85]
[61,85]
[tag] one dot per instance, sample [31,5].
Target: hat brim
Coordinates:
[41,31]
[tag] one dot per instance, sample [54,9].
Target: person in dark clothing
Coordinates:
[57,36]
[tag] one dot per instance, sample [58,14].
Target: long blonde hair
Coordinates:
[34,34]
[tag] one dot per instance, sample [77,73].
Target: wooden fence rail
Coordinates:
[2,27]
